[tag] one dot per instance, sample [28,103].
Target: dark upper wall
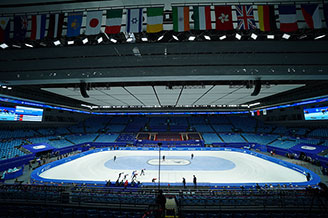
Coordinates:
[244,60]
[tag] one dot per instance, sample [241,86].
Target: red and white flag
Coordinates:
[312,15]
[93,24]
[223,18]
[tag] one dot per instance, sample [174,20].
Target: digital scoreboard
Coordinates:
[20,113]
[319,113]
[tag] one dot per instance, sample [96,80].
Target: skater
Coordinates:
[163,157]
[192,156]
[142,172]
[114,158]
[133,172]
[195,181]
[134,175]
[184,182]
[119,175]
[126,184]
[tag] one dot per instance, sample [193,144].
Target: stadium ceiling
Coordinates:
[166,73]
[176,96]
[181,61]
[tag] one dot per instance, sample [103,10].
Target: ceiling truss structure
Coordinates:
[181,74]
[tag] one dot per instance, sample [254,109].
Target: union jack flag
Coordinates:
[24,22]
[245,17]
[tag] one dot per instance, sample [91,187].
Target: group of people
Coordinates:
[194,181]
[124,181]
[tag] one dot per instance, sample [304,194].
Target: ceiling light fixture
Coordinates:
[238,36]
[270,36]
[254,104]
[113,40]
[28,45]
[57,42]
[16,46]
[254,36]
[71,42]
[175,37]
[223,37]
[129,40]
[191,38]
[4,46]
[207,37]
[100,40]
[85,41]
[319,37]
[286,36]
[302,36]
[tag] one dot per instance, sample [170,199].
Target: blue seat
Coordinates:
[92,215]
[238,215]
[226,215]
[38,213]
[251,215]
[66,214]
[79,213]
[53,213]
[278,215]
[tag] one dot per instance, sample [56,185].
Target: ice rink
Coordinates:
[208,166]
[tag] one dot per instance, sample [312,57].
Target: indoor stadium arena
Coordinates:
[163,109]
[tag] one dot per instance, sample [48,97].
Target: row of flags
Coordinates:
[202,17]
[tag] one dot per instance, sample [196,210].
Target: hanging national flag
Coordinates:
[154,20]
[113,21]
[287,18]
[180,19]
[223,18]
[267,19]
[134,20]
[55,25]
[20,27]
[202,17]
[38,26]
[325,12]
[245,17]
[74,22]
[312,15]
[4,29]
[93,23]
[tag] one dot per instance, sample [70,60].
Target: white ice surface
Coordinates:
[248,169]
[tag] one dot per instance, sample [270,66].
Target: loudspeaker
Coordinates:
[83,90]
[257,87]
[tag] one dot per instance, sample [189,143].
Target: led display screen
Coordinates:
[20,113]
[319,113]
